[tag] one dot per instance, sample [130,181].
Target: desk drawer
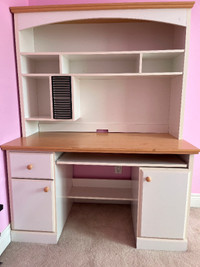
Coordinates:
[31,165]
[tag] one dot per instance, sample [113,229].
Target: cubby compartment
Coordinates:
[36,64]
[37,98]
[164,61]
[100,63]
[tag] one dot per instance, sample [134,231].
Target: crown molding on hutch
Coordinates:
[103,6]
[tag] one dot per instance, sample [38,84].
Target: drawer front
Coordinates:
[31,165]
[164,202]
[33,206]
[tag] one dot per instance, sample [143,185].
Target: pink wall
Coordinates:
[101,172]
[191,131]
[9,115]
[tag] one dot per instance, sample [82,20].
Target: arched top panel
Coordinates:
[171,16]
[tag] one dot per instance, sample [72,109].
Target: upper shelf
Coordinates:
[100,63]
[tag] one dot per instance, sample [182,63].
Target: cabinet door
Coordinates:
[32,207]
[164,202]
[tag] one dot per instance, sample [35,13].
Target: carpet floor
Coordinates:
[101,235]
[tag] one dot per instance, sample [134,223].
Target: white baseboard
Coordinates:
[5,239]
[34,237]
[195,201]
[162,244]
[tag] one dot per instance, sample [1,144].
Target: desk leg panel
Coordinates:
[63,177]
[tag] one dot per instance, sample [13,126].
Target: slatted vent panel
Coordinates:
[62,100]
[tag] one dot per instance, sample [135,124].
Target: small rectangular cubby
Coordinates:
[36,64]
[37,98]
[100,63]
[163,62]
[62,97]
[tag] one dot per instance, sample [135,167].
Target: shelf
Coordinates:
[34,63]
[171,161]
[100,63]
[123,194]
[47,119]
[37,97]
[39,119]
[108,76]
[114,62]
[40,75]
[163,62]
[79,55]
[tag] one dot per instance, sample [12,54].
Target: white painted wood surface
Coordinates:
[36,96]
[33,209]
[162,244]
[40,64]
[122,194]
[164,202]
[175,107]
[135,204]
[107,76]
[184,78]
[42,165]
[63,182]
[34,237]
[121,160]
[171,16]
[75,85]
[102,63]
[162,62]
[101,190]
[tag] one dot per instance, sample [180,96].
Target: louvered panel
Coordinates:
[62,100]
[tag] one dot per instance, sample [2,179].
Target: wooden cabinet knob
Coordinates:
[29,166]
[46,189]
[148,179]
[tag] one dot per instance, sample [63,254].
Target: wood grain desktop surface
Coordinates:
[102,143]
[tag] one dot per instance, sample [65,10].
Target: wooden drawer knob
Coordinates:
[46,189]
[148,179]
[29,166]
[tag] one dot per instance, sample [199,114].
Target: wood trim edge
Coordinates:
[103,6]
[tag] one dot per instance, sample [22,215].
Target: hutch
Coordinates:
[102,85]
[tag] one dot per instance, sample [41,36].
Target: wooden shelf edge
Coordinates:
[58,149]
[103,6]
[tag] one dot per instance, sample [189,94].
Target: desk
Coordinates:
[40,172]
